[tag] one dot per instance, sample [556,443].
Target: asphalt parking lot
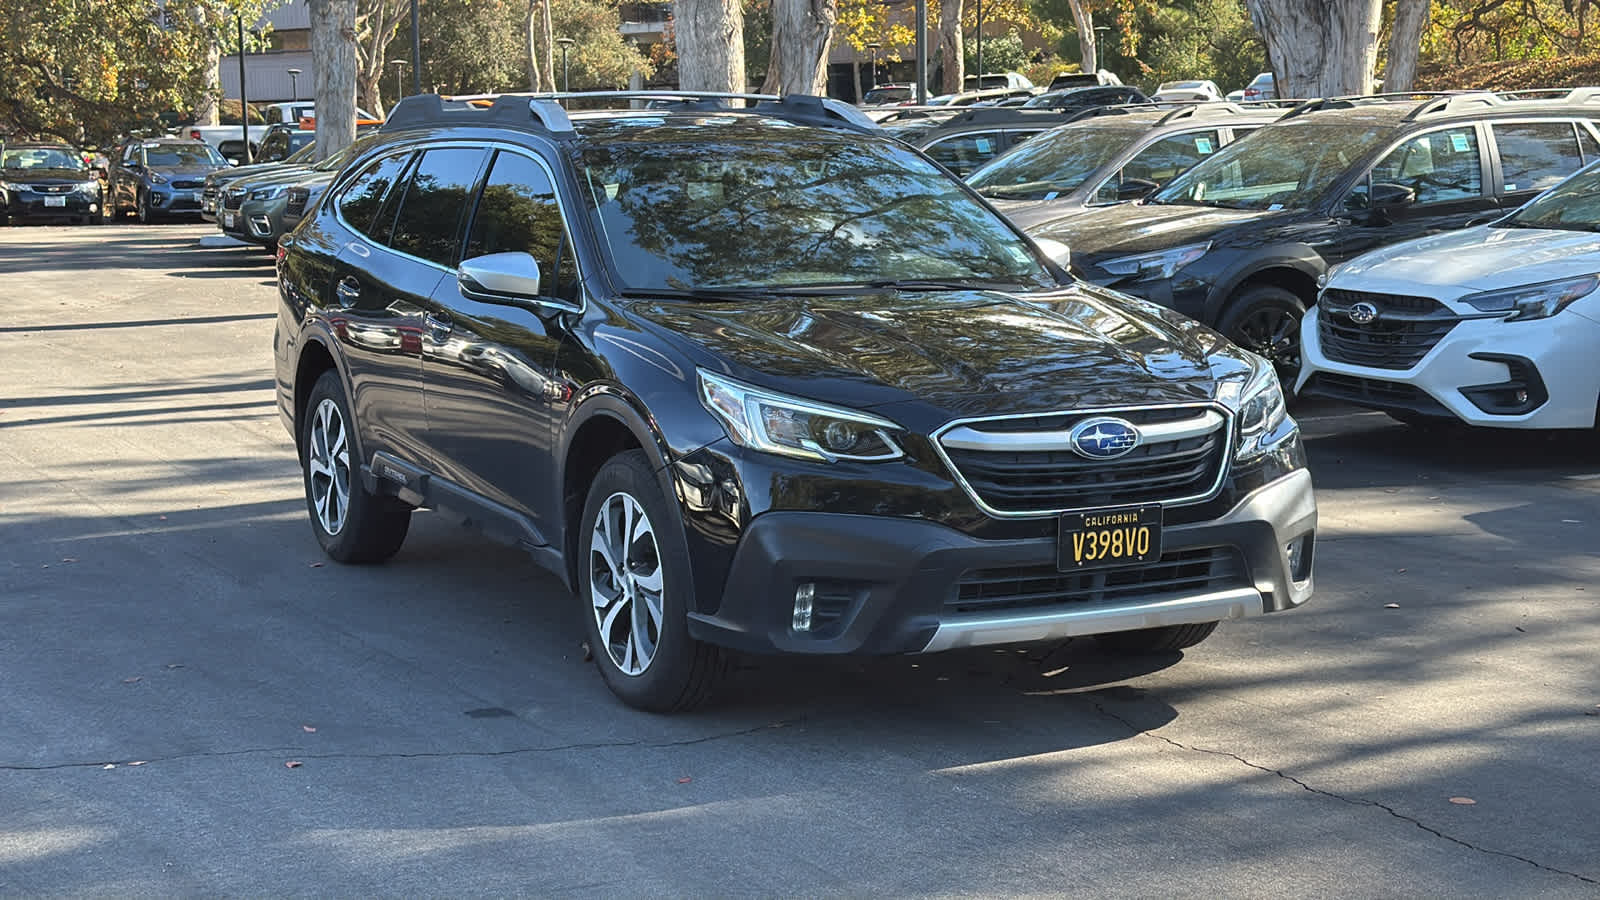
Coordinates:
[195,702]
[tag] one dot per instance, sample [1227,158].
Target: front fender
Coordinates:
[1299,258]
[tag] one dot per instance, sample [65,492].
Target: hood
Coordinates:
[1030,214]
[47,176]
[1451,265]
[291,176]
[1141,227]
[233,173]
[943,355]
[195,172]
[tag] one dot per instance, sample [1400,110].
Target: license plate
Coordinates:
[55,201]
[1110,537]
[227,219]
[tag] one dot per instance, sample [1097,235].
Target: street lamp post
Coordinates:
[566,44]
[872,74]
[416,50]
[244,104]
[980,45]
[294,83]
[399,85]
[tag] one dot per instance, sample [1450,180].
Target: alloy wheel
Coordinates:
[1273,334]
[625,583]
[328,461]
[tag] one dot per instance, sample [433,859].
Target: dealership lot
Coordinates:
[171,638]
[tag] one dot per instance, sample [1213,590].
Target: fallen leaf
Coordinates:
[68,559]
[1391,606]
[316,565]
[133,680]
[1400,571]
[109,766]
[138,762]
[309,729]
[162,518]
[174,665]
[1463,801]
[293,764]
[1521,629]
[685,780]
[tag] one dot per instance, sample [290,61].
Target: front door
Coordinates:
[491,389]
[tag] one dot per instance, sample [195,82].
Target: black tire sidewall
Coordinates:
[661,687]
[344,545]
[1264,296]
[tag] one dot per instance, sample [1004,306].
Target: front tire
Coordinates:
[351,524]
[1156,640]
[633,585]
[147,216]
[1265,320]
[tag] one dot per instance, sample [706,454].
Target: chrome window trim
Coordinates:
[1228,429]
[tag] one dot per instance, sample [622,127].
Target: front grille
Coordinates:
[188,185]
[296,202]
[1178,573]
[55,188]
[1404,331]
[1374,392]
[1184,468]
[233,199]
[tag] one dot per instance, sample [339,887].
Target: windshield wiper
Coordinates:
[936,284]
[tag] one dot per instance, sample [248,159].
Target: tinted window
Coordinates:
[1163,160]
[964,153]
[1591,149]
[518,212]
[181,156]
[274,147]
[1439,166]
[428,223]
[1055,163]
[1536,155]
[1288,165]
[360,202]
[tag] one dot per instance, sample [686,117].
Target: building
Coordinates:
[267,78]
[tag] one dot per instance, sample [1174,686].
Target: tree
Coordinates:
[376,24]
[1405,43]
[471,46]
[333,44]
[600,56]
[950,55]
[1319,48]
[710,44]
[802,33]
[541,46]
[1083,18]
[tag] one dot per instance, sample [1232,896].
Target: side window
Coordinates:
[1587,143]
[1162,161]
[963,153]
[518,211]
[1439,166]
[360,201]
[1018,137]
[130,156]
[1536,155]
[428,223]
[273,146]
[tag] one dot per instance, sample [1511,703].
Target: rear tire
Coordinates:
[351,524]
[147,216]
[633,589]
[1156,640]
[1265,320]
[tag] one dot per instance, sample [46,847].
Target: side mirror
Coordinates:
[500,278]
[1136,188]
[1055,251]
[1387,194]
[1485,218]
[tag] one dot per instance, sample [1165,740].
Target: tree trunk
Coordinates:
[377,21]
[369,91]
[1319,48]
[206,109]
[710,42]
[951,60]
[855,74]
[333,46]
[547,46]
[802,32]
[1405,43]
[530,29]
[1088,49]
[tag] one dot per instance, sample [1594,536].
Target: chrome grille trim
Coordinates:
[1223,425]
[966,438]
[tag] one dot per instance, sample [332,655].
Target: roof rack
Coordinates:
[476,109]
[1205,109]
[1560,95]
[1354,100]
[801,109]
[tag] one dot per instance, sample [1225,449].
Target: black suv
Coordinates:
[759,379]
[967,140]
[1240,240]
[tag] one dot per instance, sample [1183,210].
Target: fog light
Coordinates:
[803,597]
[1299,553]
[1522,398]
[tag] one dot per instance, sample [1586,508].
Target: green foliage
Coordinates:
[91,70]
[1463,32]
[601,58]
[1000,54]
[1204,39]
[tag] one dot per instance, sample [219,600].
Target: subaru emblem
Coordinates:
[1363,313]
[1104,438]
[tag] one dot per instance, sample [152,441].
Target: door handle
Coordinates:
[439,326]
[349,291]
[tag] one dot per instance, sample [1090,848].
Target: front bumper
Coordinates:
[167,199]
[895,585]
[29,205]
[258,221]
[1474,374]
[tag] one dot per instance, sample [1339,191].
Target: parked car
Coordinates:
[1187,90]
[1496,326]
[977,98]
[252,209]
[1107,155]
[963,142]
[670,356]
[1065,80]
[302,198]
[886,94]
[48,181]
[157,178]
[217,182]
[1262,87]
[1085,97]
[1240,240]
[1010,81]
[229,140]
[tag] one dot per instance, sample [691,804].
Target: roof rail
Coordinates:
[1559,95]
[1354,100]
[474,109]
[1452,103]
[1205,109]
[802,109]
[1115,109]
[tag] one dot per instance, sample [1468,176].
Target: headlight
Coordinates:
[1536,301]
[267,193]
[1158,265]
[793,427]
[1262,413]
[157,178]
[13,186]
[89,187]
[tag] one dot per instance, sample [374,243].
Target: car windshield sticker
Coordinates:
[1203,145]
[1275,207]
[985,145]
[1510,186]
[1459,142]
[1052,195]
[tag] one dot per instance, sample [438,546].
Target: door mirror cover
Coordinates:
[1055,251]
[500,278]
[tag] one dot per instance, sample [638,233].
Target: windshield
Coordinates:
[1280,166]
[1572,205]
[306,154]
[757,210]
[181,156]
[336,162]
[1054,163]
[40,158]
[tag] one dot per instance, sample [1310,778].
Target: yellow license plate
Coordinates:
[1110,537]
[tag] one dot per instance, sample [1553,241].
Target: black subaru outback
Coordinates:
[758,379]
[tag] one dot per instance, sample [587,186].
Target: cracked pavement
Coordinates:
[171,638]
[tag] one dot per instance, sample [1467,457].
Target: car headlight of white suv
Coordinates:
[1534,301]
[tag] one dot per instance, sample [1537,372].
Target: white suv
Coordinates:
[1497,325]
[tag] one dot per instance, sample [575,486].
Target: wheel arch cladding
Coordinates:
[314,360]
[601,436]
[1290,278]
